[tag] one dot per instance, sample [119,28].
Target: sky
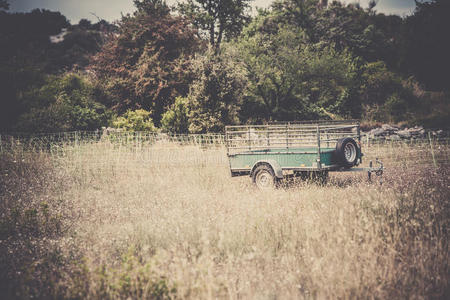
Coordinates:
[111,10]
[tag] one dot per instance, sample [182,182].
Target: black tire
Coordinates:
[264,178]
[347,152]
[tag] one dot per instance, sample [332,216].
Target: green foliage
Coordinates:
[176,119]
[28,57]
[24,57]
[427,44]
[431,110]
[396,106]
[33,211]
[77,47]
[385,95]
[146,65]
[64,103]
[366,34]
[378,83]
[299,59]
[132,278]
[292,80]
[152,7]
[217,93]
[135,120]
[217,18]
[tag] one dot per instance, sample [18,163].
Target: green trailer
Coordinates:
[270,153]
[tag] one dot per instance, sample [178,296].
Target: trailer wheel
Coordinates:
[347,152]
[264,177]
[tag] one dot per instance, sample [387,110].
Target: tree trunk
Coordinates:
[219,37]
[211,34]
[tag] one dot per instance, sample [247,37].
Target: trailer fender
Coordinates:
[273,164]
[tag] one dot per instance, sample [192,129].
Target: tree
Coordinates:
[299,13]
[366,34]
[64,103]
[290,79]
[85,24]
[383,94]
[25,57]
[145,64]
[217,92]
[135,120]
[176,119]
[152,7]
[427,44]
[218,18]
[75,51]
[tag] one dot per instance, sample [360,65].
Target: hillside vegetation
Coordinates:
[205,64]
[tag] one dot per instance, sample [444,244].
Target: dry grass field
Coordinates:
[113,220]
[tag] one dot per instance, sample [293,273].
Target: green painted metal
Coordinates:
[287,158]
[303,146]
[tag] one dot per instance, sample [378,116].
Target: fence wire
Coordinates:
[149,146]
[51,141]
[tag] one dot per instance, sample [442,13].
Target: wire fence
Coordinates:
[146,146]
[120,150]
[45,141]
[50,141]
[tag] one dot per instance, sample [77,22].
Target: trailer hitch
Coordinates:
[377,170]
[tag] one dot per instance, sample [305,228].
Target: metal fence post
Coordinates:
[319,165]
[287,137]
[249,141]
[358,131]
[432,150]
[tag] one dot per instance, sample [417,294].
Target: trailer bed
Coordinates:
[266,152]
[298,159]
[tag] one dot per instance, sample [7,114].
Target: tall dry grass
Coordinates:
[167,221]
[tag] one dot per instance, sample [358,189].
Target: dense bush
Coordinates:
[146,64]
[217,93]
[290,79]
[176,119]
[63,103]
[135,120]
[28,57]
[385,96]
[33,214]
[296,60]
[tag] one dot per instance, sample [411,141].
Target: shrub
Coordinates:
[33,215]
[135,120]
[386,96]
[131,278]
[64,103]
[291,80]
[217,93]
[176,119]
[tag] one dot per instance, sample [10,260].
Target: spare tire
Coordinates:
[347,152]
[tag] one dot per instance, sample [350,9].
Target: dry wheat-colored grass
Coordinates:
[167,221]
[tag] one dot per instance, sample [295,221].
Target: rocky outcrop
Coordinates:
[392,132]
